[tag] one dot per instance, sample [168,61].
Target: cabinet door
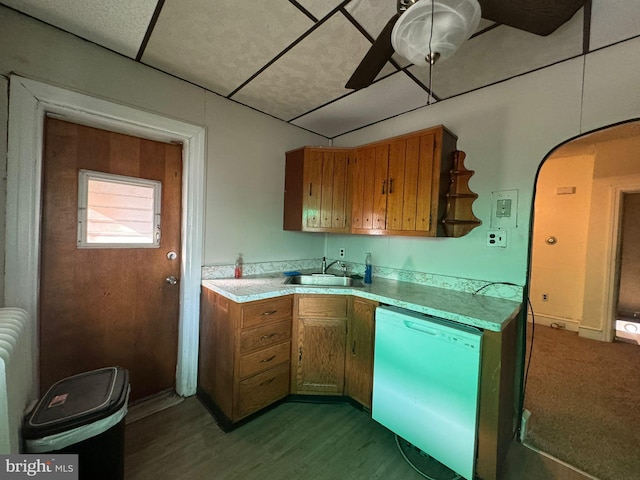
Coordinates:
[320,356]
[426,184]
[313,178]
[359,355]
[334,190]
[325,193]
[369,171]
[395,185]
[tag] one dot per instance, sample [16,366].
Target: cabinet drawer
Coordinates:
[262,389]
[265,336]
[322,306]
[256,313]
[253,363]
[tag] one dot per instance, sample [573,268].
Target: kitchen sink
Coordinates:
[323,280]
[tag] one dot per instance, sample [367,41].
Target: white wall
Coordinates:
[245,149]
[245,185]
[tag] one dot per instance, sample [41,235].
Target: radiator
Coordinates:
[16,374]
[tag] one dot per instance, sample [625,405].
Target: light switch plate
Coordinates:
[504,209]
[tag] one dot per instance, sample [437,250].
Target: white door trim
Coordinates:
[29,102]
[616,190]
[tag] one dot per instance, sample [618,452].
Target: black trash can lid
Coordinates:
[78,400]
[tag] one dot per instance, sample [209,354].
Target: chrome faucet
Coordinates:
[325,267]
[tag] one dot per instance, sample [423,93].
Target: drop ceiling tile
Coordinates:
[499,54]
[119,26]
[220,44]
[373,15]
[312,73]
[613,22]
[319,8]
[389,97]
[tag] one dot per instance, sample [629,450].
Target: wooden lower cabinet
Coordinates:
[359,355]
[319,336]
[253,354]
[245,351]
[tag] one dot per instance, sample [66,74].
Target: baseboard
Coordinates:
[151,405]
[592,334]
[555,322]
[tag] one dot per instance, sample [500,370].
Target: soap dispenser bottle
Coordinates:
[367,268]
[238,268]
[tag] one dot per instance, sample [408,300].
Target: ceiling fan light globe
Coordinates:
[454,21]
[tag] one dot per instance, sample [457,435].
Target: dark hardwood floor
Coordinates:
[293,441]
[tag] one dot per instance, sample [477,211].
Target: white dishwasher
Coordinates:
[425,384]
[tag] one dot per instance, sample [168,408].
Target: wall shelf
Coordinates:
[459,218]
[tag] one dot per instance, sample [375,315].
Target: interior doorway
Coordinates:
[627,320]
[581,387]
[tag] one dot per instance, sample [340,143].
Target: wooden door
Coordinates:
[321,351]
[313,179]
[369,189]
[334,205]
[395,185]
[107,306]
[426,182]
[359,356]
[319,332]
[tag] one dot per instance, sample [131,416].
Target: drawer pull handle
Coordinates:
[267,382]
[270,312]
[265,337]
[265,360]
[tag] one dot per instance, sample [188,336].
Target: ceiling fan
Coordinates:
[416,37]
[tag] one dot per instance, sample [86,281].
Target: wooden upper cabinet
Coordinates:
[317,197]
[398,186]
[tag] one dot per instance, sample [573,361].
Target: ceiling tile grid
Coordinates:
[291,58]
[613,21]
[312,73]
[119,26]
[220,45]
[320,8]
[499,54]
[384,99]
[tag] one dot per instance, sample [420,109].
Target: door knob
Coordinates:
[171,280]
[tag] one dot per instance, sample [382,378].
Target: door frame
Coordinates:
[613,245]
[29,102]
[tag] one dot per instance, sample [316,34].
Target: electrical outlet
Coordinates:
[545,297]
[342,253]
[497,238]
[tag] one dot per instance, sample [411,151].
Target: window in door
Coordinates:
[116,211]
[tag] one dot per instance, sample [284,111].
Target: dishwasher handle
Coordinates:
[420,327]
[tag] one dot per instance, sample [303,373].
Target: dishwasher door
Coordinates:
[425,384]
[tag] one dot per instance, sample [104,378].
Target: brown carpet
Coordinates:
[584,399]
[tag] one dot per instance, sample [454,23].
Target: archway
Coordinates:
[580,385]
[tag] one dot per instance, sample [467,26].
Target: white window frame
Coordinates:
[83,180]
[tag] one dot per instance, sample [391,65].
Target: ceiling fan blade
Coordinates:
[372,63]
[541,17]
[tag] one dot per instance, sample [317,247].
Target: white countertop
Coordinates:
[481,311]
